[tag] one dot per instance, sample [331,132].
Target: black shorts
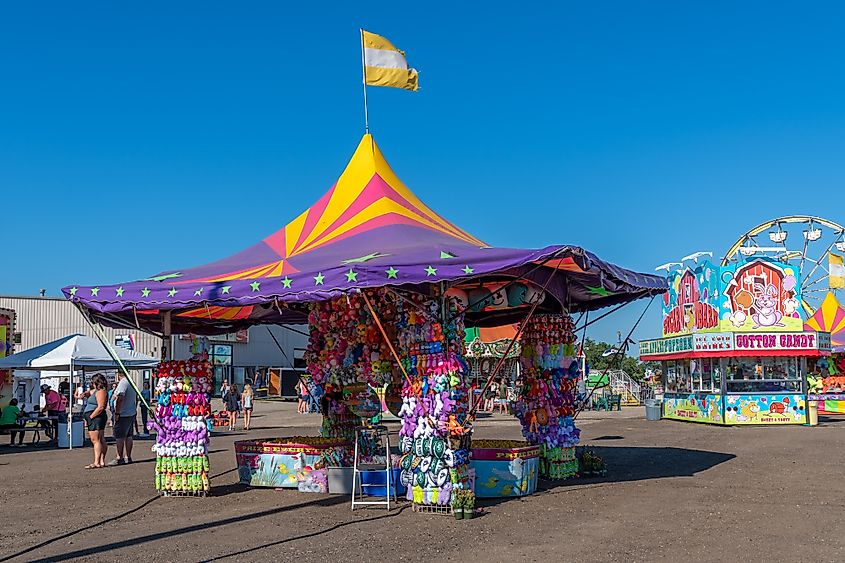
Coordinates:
[123,427]
[98,422]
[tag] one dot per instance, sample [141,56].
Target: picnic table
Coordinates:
[607,402]
[35,424]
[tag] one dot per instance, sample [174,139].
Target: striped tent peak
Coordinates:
[830,317]
[368,195]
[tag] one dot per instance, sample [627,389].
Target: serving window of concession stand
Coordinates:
[744,381]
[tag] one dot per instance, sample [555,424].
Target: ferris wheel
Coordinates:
[805,243]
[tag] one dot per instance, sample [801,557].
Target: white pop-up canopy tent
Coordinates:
[72,352]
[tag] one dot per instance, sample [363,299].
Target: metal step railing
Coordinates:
[622,384]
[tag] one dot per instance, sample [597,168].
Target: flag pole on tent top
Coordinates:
[364,83]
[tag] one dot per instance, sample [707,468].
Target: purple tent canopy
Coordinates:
[368,230]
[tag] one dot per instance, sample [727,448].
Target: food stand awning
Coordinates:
[368,230]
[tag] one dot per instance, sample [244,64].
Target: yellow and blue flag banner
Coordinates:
[385,65]
[837,271]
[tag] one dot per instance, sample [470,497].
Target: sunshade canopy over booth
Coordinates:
[368,230]
[75,350]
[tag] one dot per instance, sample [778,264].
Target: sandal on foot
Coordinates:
[115,462]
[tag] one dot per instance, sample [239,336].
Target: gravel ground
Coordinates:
[675,492]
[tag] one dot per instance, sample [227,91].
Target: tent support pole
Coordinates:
[166,353]
[69,408]
[501,362]
[386,339]
[612,359]
[101,336]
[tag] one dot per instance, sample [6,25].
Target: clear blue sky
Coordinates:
[141,136]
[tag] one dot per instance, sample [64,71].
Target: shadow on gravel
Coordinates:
[222,490]
[327,530]
[828,420]
[200,527]
[632,464]
[45,543]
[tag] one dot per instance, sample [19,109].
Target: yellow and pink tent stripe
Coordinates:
[830,317]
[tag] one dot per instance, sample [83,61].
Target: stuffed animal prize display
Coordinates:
[182,425]
[546,403]
[434,438]
[346,358]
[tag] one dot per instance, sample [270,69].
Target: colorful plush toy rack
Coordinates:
[182,424]
[434,438]
[347,357]
[546,402]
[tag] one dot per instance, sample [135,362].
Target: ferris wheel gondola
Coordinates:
[804,242]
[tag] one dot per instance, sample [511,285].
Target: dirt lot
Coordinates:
[675,492]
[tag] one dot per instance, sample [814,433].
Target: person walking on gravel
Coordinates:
[125,405]
[247,402]
[232,402]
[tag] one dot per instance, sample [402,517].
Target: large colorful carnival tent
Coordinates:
[368,230]
[830,317]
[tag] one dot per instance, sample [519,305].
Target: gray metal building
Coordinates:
[252,356]
[40,320]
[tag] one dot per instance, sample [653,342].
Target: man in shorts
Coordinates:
[125,401]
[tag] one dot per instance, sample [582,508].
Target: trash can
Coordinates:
[813,413]
[78,434]
[652,409]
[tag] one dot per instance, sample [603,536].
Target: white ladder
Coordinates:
[383,439]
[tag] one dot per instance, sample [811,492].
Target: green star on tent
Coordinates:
[119,291]
[225,289]
[468,270]
[173,291]
[430,271]
[198,292]
[286,282]
[145,292]
[165,277]
[95,291]
[73,291]
[318,279]
[255,286]
[391,273]
[444,255]
[351,276]
[600,291]
[371,256]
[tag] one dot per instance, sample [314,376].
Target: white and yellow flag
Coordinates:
[385,65]
[837,271]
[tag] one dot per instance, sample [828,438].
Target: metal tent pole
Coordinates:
[70,408]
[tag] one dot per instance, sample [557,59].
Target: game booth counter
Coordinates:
[736,349]
[387,287]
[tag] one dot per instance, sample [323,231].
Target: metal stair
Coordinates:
[632,393]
